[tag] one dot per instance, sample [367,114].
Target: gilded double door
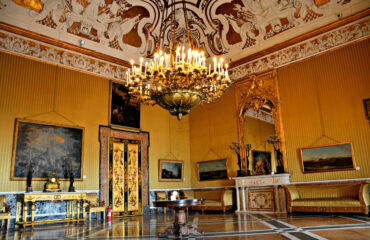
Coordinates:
[125,190]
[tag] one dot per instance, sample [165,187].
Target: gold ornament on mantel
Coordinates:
[52,185]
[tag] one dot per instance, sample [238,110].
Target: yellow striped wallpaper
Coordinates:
[322,103]
[27,90]
[212,130]
[322,95]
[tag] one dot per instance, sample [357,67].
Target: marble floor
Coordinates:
[251,226]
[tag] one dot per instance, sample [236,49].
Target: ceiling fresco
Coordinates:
[127,29]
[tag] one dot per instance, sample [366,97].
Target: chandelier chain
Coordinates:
[187,24]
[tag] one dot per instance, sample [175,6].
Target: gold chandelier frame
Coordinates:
[180,80]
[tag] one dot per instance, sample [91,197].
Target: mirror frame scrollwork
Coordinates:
[254,92]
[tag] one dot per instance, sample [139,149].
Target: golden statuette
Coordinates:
[52,185]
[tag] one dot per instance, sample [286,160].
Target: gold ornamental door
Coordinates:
[125,191]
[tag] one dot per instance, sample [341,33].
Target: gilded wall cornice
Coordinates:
[339,37]
[27,47]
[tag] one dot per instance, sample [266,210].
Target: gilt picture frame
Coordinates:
[124,111]
[47,147]
[213,170]
[326,158]
[171,170]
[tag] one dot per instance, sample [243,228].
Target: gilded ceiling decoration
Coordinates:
[352,32]
[129,28]
[35,5]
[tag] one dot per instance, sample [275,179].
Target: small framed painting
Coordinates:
[171,170]
[213,170]
[261,162]
[124,111]
[326,158]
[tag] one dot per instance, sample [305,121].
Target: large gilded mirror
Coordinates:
[260,132]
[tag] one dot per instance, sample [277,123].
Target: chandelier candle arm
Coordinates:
[178,81]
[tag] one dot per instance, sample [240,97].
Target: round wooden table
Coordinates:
[179,228]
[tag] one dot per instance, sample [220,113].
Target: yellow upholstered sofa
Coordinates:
[216,199]
[329,197]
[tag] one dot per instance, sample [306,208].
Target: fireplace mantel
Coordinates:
[262,192]
[262,180]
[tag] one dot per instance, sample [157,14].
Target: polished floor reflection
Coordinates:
[213,226]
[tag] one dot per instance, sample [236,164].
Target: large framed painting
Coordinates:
[47,147]
[124,111]
[325,158]
[261,162]
[213,170]
[171,170]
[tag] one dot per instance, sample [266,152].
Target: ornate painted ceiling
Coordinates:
[126,29]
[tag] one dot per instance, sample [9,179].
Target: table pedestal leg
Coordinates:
[180,228]
[180,222]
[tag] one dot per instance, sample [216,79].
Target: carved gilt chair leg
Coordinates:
[2,222]
[84,212]
[90,216]
[7,226]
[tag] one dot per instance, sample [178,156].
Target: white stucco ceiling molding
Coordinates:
[339,37]
[20,45]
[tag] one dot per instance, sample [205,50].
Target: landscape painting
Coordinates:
[213,170]
[171,170]
[327,158]
[124,110]
[44,147]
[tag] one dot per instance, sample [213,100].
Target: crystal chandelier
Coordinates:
[180,80]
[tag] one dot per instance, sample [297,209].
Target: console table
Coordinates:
[262,192]
[25,198]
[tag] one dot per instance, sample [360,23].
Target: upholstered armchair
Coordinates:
[5,212]
[93,204]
